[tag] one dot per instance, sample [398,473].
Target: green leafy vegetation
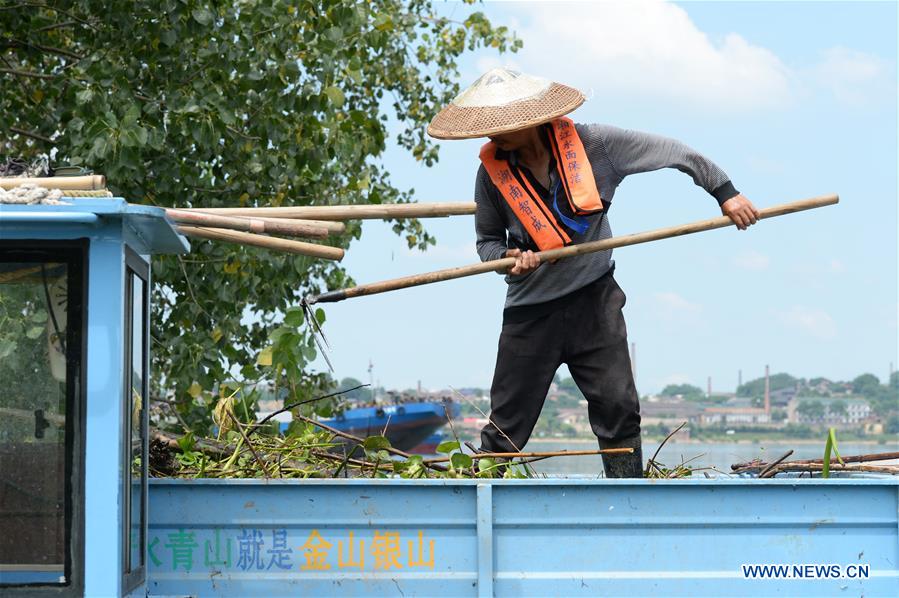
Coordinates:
[219,104]
[756,388]
[687,391]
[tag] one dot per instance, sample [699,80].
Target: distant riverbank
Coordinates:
[711,456]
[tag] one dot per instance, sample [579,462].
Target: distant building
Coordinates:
[669,410]
[576,418]
[826,410]
[782,396]
[734,416]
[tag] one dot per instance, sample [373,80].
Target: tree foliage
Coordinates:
[240,103]
[756,388]
[865,384]
[814,409]
[688,391]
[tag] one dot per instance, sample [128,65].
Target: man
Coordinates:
[545,182]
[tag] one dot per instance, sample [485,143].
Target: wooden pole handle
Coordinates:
[564,252]
[354,212]
[77,183]
[274,226]
[231,236]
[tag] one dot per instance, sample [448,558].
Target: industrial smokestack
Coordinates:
[767,393]
[709,388]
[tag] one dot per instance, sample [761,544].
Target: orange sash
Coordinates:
[574,168]
[574,172]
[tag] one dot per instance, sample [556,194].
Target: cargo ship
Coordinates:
[406,425]
[411,425]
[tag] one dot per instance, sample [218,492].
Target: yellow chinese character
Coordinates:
[349,562]
[316,551]
[386,549]
[420,562]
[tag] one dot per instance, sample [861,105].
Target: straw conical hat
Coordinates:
[501,101]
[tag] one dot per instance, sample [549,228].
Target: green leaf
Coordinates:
[84,96]
[294,317]
[7,347]
[195,390]
[186,442]
[448,446]
[203,16]
[830,445]
[34,332]
[168,37]
[335,95]
[461,461]
[131,116]
[375,443]
[265,357]
[486,464]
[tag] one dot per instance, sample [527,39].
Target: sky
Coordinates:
[792,100]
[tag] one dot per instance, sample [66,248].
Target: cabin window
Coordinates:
[42,341]
[136,418]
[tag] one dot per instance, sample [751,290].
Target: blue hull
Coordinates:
[405,425]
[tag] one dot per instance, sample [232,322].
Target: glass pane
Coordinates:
[33,318]
[137,416]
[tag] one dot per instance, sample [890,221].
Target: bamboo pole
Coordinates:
[332,226]
[564,252]
[220,234]
[292,228]
[354,212]
[83,183]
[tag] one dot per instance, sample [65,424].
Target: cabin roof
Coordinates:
[148,229]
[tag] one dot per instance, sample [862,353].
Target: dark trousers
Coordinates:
[587,332]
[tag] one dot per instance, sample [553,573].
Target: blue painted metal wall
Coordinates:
[553,537]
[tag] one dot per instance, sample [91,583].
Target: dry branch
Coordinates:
[546,454]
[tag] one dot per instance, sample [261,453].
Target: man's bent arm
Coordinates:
[631,152]
[489,225]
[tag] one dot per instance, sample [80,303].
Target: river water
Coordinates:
[718,456]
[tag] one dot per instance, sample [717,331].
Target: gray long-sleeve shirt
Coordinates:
[613,153]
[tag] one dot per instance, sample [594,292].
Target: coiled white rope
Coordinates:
[31,194]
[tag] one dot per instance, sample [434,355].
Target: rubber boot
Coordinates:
[624,465]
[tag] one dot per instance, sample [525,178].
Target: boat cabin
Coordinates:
[74,341]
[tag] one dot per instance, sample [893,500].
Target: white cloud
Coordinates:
[671,303]
[650,48]
[813,321]
[752,260]
[653,49]
[854,77]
